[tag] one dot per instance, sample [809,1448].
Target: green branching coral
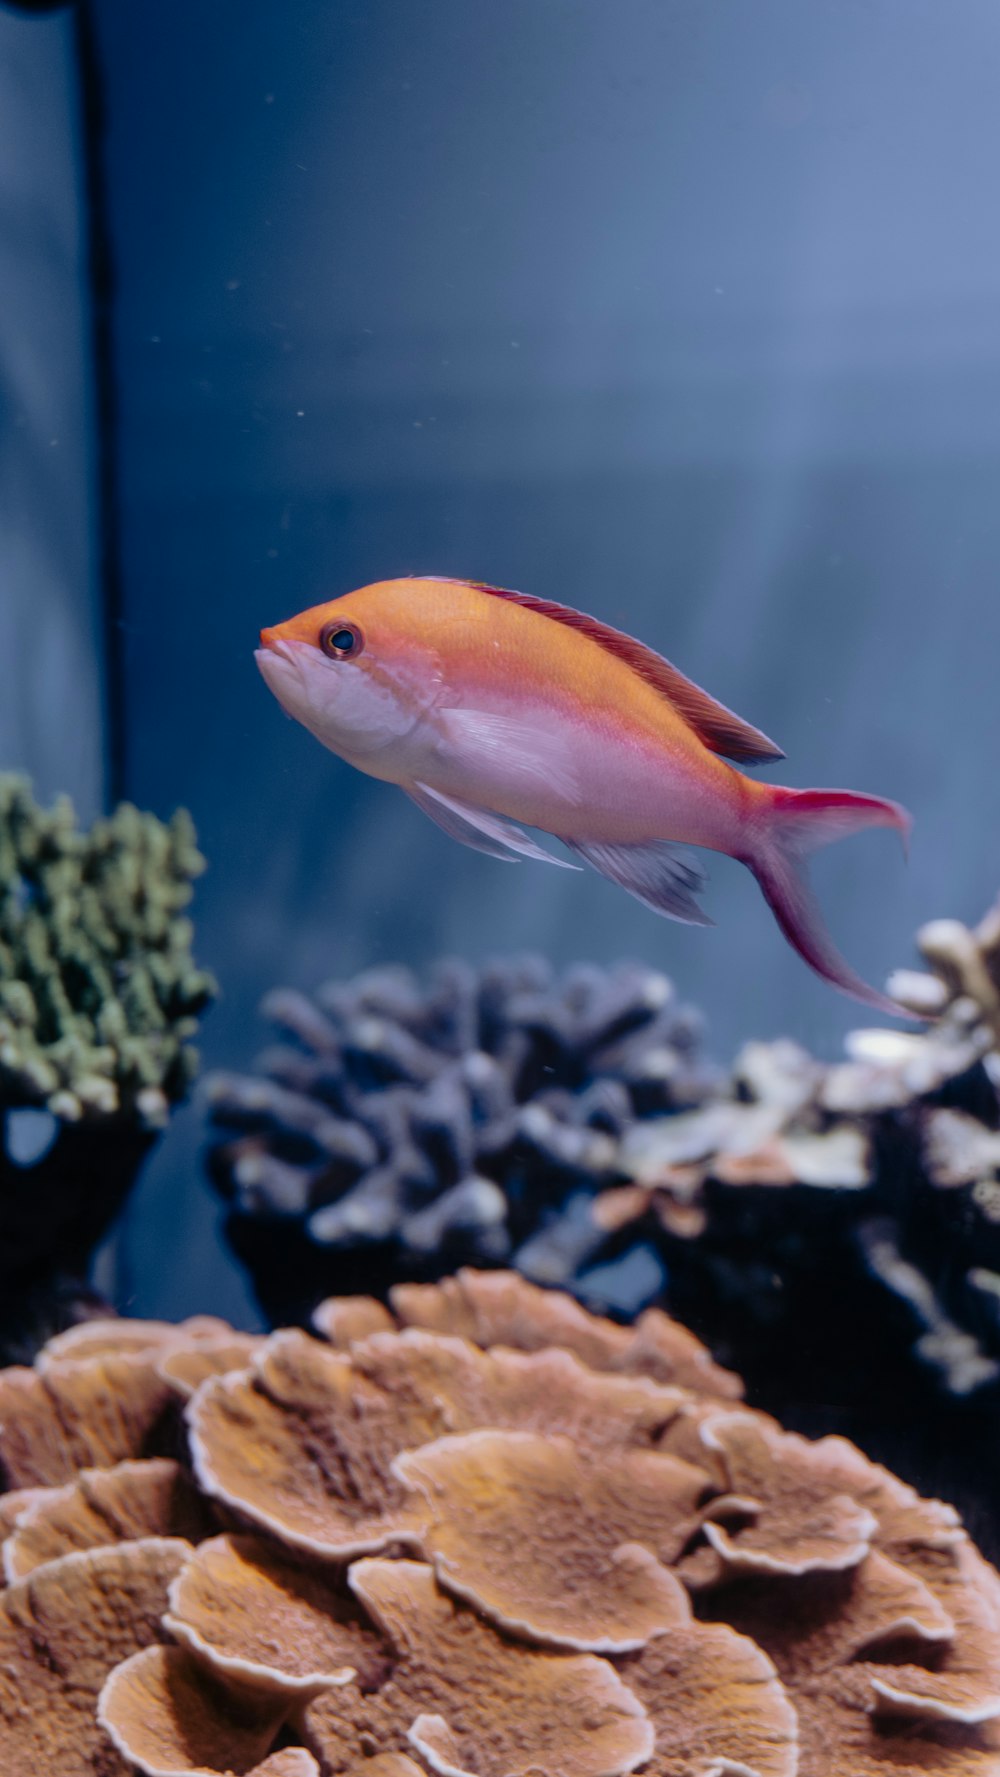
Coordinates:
[99,992]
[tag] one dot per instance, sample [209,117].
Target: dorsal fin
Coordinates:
[718,728]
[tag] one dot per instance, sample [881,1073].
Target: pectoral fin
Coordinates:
[480,828]
[656,874]
[530,753]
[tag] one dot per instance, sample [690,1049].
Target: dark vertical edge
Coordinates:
[101,267]
[112,1261]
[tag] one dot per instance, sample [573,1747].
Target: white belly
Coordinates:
[572,779]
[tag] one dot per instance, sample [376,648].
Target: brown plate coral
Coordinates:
[483,1535]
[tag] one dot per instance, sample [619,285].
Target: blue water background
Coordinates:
[685,313]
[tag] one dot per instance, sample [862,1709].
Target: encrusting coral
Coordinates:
[401,1127]
[483,1533]
[99,997]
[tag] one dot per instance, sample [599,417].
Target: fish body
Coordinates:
[496,711]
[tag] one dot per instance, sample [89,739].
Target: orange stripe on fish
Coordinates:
[721,730]
[495,711]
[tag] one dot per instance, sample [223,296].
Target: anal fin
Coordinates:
[480,828]
[657,874]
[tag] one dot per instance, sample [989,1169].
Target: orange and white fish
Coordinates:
[495,711]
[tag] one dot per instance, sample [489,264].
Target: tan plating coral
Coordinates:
[483,1535]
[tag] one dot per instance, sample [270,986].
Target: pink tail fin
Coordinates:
[799,822]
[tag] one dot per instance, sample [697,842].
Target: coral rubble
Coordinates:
[99,997]
[482,1532]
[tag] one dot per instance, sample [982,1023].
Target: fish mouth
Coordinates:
[271,643]
[276,655]
[281,667]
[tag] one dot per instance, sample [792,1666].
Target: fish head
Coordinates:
[356,671]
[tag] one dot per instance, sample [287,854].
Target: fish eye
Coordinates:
[341,641]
